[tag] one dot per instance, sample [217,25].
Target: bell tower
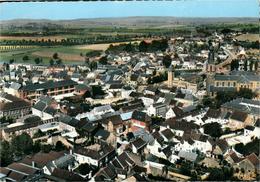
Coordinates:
[170,76]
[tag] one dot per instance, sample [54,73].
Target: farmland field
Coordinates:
[248,37]
[67,54]
[100,46]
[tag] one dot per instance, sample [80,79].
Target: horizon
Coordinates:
[126,17]
[127,9]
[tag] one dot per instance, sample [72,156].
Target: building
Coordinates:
[11,106]
[170,77]
[157,109]
[50,88]
[251,107]
[234,83]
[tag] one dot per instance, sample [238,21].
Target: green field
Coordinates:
[68,54]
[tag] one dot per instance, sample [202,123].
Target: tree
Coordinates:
[60,146]
[167,60]
[22,144]
[216,174]
[93,53]
[51,62]
[36,147]
[93,65]
[38,134]
[246,93]
[97,90]
[143,46]
[5,119]
[256,65]
[84,169]
[213,129]
[46,148]
[37,60]
[11,61]
[234,65]
[55,55]
[251,64]
[103,60]
[25,58]
[59,62]
[185,168]
[6,154]
[245,65]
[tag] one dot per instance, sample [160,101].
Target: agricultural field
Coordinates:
[70,54]
[102,47]
[248,37]
[34,38]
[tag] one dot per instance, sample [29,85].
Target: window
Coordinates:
[217,84]
[228,84]
[234,84]
[223,84]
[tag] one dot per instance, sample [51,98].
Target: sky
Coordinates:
[180,8]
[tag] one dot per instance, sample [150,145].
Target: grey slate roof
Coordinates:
[48,85]
[188,155]
[244,105]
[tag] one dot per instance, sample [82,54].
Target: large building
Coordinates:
[234,82]
[180,82]
[50,88]
[11,106]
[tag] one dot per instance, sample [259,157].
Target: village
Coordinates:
[172,108]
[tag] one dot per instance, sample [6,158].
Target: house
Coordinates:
[14,107]
[113,124]
[148,100]
[189,156]
[18,171]
[251,107]
[179,127]
[220,148]
[44,111]
[167,135]
[105,174]
[100,110]
[105,137]
[232,158]
[123,165]
[41,160]
[138,146]
[12,89]
[156,145]
[174,112]
[252,131]
[30,128]
[96,155]
[151,91]
[81,89]
[250,164]
[239,120]
[63,162]
[140,120]
[65,175]
[126,91]
[157,109]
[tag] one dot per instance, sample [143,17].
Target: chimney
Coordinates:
[33,164]
[71,152]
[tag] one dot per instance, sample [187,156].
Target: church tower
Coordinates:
[211,59]
[170,76]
